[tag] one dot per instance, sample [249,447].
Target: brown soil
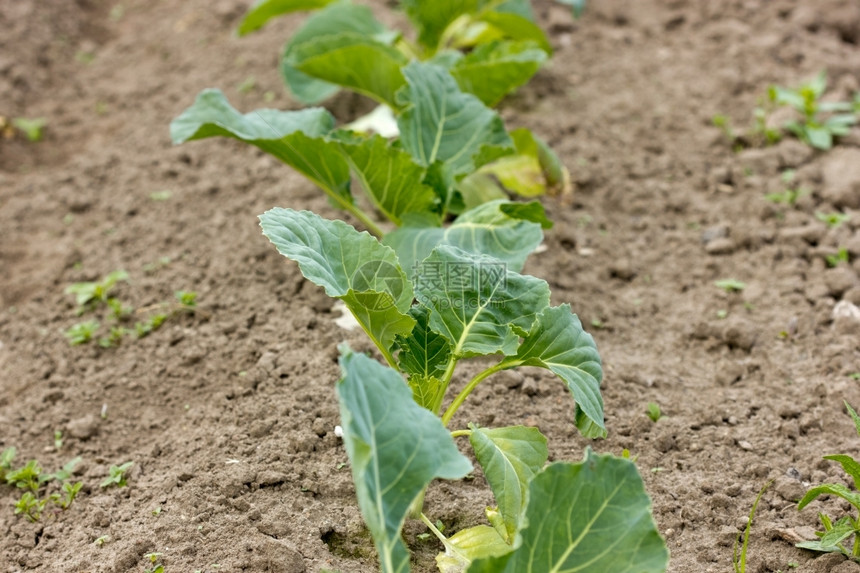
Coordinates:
[228,414]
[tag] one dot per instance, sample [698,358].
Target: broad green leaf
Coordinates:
[476,189]
[590,516]
[512,175]
[556,175]
[349,265]
[818,545]
[298,138]
[818,137]
[836,489]
[423,353]
[428,392]
[517,27]
[558,343]
[510,458]
[336,18]
[534,170]
[854,416]
[486,229]
[532,211]
[494,70]
[395,447]
[850,466]
[838,534]
[358,62]
[469,544]
[432,18]
[390,177]
[476,303]
[377,314]
[264,10]
[441,123]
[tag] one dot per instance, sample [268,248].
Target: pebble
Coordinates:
[530,387]
[841,174]
[84,428]
[839,280]
[846,318]
[723,246]
[745,445]
[809,233]
[510,378]
[715,232]
[789,489]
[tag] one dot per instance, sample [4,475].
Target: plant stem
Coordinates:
[855,551]
[473,383]
[372,227]
[432,528]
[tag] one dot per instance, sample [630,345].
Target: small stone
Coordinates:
[793,153]
[845,567]
[727,536]
[852,245]
[839,280]
[846,318]
[761,161]
[745,445]
[789,489]
[841,174]
[715,232]
[530,387]
[320,427]
[722,246]
[84,428]
[510,378]
[622,269]
[267,361]
[271,478]
[810,233]
[739,334]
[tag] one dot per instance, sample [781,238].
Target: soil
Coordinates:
[229,413]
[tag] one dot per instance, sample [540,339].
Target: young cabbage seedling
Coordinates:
[836,533]
[454,305]
[30,127]
[730,285]
[417,180]
[832,220]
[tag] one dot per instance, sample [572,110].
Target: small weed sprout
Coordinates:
[653,411]
[835,533]
[730,285]
[82,332]
[739,560]
[819,121]
[31,478]
[30,127]
[840,257]
[117,476]
[91,296]
[832,220]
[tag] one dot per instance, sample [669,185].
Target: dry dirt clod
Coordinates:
[84,428]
